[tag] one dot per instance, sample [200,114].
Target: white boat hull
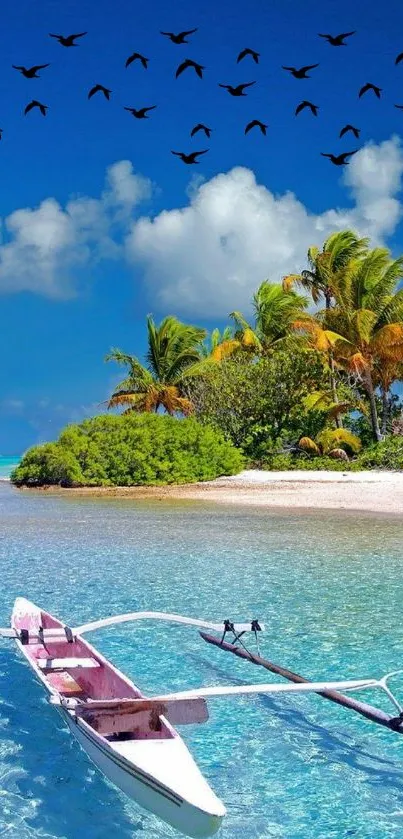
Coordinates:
[145,790]
[158,774]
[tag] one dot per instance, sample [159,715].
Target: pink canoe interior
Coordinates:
[96,680]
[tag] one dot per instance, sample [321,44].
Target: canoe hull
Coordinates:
[142,788]
[158,774]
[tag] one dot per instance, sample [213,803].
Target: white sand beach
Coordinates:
[378,492]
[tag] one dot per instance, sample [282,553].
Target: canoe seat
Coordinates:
[66,663]
[64,683]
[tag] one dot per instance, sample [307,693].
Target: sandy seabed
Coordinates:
[378,492]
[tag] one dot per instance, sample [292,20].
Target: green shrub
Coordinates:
[385,455]
[283,462]
[130,450]
[48,464]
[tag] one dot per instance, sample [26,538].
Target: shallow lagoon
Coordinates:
[330,590]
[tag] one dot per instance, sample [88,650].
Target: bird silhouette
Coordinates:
[337,40]
[68,41]
[255,123]
[97,89]
[368,86]
[201,127]
[255,55]
[189,158]
[198,68]
[355,131]
[340,159]
[140,113]
[306,104]
[180,38]
[136,56]
[400,107]
[238,90]
[36,104]
[31,72]
[1,133]
[302,72]
[399,58]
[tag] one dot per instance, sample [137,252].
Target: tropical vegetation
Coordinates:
[172,347]
[308,379]
[134,449]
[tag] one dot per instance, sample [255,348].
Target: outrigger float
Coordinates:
[131,738]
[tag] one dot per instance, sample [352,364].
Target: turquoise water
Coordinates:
[7,464]
[330,590]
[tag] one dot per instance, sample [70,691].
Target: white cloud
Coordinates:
[209,257]
[46,247]
[124,187]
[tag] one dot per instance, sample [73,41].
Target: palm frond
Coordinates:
[387,343]
[308,445]
[239,320]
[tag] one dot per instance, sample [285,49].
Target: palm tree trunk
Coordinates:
[339,421]
[385,410]
[369,387]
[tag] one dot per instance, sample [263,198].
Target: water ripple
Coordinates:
[329,588]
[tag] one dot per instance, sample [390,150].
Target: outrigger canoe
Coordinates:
[138,749]
[131,738]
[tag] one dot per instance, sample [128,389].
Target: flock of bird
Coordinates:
[239,90]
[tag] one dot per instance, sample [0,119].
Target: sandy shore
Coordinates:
[378,492]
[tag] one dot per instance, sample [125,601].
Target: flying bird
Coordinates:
[238,90]
[31,72]
[97,89]
[255,123]
[255,55]
[355,131]
[399,58]
[198,68]
[337,40]
[201,127]
[68,41]
[306,104]
[189,158]
[400,107]
[368,86]
[140,113]
[302,72]
[180,38]
[1,133]
[136,56]
[36,104]
[340,159]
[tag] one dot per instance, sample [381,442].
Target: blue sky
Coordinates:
[101,224]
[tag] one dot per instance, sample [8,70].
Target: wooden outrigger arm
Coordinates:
[51,634]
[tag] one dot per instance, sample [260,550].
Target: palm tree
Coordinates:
[173,347]
[368,320]
[275,311]
[321,279]
[331,442]
[325,266]
[218,345]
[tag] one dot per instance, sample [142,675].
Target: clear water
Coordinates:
[7,464]
[328,586]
